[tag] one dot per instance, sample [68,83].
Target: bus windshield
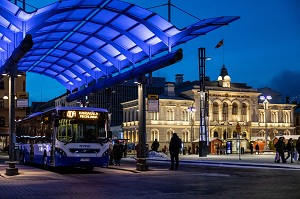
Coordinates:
[75,130]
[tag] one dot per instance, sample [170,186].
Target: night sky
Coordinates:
[260,49]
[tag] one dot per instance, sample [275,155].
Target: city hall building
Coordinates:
[229,104]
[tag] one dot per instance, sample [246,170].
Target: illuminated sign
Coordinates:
[82,115]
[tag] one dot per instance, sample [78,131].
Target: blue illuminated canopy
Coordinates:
[77,42]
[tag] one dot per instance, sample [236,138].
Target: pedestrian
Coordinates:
[155,145]
[117,152]
[164,149]
[298,149]
[280,146]
[189,150]
[111,154]
[174,148]
[257,148]
[251,148]
[290,149]
[125,150]
[197,149]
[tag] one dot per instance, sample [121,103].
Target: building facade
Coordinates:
[229,104]
[21,104]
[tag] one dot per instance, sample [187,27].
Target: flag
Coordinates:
[219,44]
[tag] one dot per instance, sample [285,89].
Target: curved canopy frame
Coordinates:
[78,42]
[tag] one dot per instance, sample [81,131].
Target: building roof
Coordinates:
[76,42]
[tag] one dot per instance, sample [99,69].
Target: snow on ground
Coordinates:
[157,155]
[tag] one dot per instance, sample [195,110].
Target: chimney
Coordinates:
[287,99]
[169,89]
[178,79]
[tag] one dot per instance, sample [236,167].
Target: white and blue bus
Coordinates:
[65,137]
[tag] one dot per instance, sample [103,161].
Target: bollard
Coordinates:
[12,170]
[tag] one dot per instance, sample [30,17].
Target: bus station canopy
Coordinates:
[78,42]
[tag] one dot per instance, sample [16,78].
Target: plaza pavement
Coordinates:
[232,160]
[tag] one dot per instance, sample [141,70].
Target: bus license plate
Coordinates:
[84,159]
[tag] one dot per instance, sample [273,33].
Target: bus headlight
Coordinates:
[106,153]
[60,151]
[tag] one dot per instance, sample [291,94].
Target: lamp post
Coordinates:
[265,100]
[192,110]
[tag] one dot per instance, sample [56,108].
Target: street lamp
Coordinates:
[265,100]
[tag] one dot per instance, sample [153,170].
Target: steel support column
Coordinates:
[142,148]
[203,137]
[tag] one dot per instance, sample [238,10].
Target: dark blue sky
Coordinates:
[260,49]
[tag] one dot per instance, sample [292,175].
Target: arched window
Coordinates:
[215,111]
[154,135]
[234,134]
[186,136]
[184,115]
[225,111]
[216,134]
[235,111]
[244,112]
[170,114]
[169,135]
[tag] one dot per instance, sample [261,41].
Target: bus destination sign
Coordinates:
[82,115]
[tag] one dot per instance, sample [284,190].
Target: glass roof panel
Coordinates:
[125,42]
[95,42]
[90,27]
[47,29]
[108,33]
[67,45]
[159,22]
[98,57]
[69,73]
[104,16]
[139,12]
[78,69]
[79,14]
[83,50]
[51,59]
[109,49]
[64,63]
[73,57]
[67,25]
[118,5]
[57,67]
[77,37]
[4,22]
[123,22]
[87,63]
[141,32]
[58,17]
[58,53]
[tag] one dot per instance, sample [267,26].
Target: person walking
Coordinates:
[117,152]
[298,149]
[290,149]
[280,149]
[155,145]
[174,148]
[251,148]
